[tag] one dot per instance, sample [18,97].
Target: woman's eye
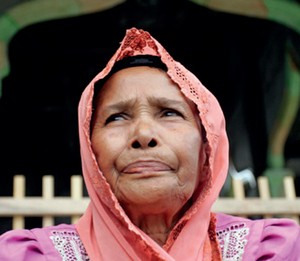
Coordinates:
[115,117]
[171,113]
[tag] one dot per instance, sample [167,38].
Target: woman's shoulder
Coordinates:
[264,239]
[60,242]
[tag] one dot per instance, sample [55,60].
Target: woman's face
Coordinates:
[146,138]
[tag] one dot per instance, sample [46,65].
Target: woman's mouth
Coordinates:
[143,167]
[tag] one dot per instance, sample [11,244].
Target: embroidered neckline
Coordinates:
[69,245]
[232,241]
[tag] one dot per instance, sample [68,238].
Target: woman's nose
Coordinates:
[144,135]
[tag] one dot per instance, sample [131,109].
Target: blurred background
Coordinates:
[247,53]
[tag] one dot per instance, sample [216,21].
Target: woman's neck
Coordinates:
[157,224]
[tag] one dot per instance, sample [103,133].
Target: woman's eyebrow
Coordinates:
[155,101]
[119,106]
[166,102]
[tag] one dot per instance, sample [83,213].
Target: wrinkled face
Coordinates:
[146,137]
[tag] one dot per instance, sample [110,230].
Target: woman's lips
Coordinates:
[145,167]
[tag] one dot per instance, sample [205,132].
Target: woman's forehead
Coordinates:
[139,82]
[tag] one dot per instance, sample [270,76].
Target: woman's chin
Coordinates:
[153,200]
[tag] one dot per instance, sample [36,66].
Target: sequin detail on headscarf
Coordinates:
[137,41]
[216,251]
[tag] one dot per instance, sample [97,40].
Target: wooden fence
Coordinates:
[48,206]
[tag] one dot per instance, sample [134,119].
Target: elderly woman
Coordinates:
[154,157]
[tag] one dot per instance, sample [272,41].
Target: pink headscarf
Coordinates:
[105,230]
